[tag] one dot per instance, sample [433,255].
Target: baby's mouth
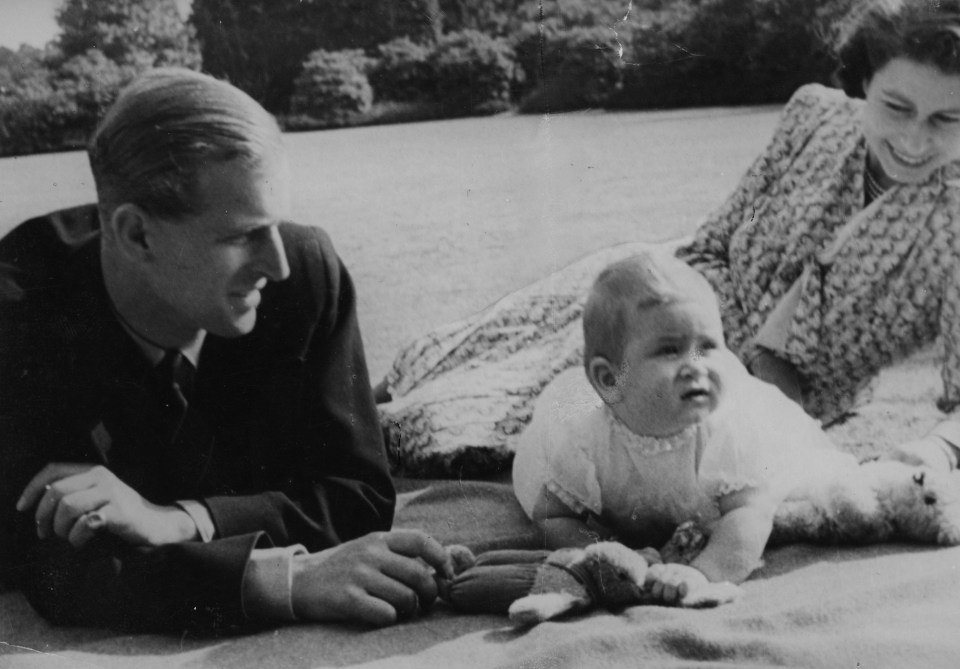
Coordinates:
[695,393]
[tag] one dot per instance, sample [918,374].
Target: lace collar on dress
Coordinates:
[649,445]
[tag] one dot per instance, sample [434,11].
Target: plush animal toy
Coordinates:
[873,502]
[533,586]
[846,502]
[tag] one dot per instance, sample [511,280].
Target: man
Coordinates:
[187,431]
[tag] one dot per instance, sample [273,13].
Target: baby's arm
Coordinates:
[562,527]
[739,537]
[732,552]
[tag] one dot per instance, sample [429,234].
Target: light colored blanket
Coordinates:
[891,606]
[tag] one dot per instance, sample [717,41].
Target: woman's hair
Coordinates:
[877,31]
[165,126]
[625,288]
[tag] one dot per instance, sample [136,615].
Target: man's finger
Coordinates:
[50,474]
[403,599]
[414,574]
[74,505]
[414,543]
[371,610]
[53,493]
[86,528]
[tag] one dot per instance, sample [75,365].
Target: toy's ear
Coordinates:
[603,377]
[534,609]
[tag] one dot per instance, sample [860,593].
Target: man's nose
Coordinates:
[272,257]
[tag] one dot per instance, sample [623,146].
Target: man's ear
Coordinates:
[130,226]
[603,377]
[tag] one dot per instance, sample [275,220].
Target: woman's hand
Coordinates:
[931,451]
[768,366]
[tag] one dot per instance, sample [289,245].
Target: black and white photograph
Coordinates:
[493,333]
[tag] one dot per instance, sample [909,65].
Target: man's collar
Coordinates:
[155,353]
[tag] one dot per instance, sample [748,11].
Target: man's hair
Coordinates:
[629,286]
[877,31]
[165,126]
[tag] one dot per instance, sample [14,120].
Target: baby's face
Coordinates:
[673,368]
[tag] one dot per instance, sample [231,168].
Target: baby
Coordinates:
[683,432]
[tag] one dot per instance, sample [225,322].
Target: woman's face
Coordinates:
[911,120]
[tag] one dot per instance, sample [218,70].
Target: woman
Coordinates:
[838,252]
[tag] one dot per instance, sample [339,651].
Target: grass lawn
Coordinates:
[436,220]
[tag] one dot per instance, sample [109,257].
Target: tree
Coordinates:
[261,45]
[128,32]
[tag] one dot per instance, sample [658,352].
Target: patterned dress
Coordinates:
[870,284]
[874,284]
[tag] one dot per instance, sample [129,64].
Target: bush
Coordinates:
[717,52]
[571,68]
[59,109]
[474,73]
[34,119]
[333,86]
[403,72]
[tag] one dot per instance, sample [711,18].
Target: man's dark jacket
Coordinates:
[281,441]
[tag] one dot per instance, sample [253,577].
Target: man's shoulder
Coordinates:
[35,252]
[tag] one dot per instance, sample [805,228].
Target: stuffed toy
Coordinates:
[848,503]
[873,502]
[532,586]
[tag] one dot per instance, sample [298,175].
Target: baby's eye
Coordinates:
[668,349]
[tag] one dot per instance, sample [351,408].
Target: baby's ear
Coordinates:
[603,377]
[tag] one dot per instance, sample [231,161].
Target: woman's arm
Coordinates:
[709,251]
[940,449]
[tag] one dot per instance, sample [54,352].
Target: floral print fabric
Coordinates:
[875,284]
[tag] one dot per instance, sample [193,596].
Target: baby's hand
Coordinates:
[672,582]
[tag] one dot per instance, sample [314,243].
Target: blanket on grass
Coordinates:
[879,606]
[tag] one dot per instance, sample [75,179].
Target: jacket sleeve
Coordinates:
[709,251]
[326,479]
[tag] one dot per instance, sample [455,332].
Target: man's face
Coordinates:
[208,268]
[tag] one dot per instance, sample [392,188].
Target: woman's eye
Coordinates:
[897,108]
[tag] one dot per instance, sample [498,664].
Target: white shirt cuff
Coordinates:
[201,518]
[267,591]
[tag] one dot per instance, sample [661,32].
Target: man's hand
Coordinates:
[931,451]
[670,583]
[78,501]
[376,579]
